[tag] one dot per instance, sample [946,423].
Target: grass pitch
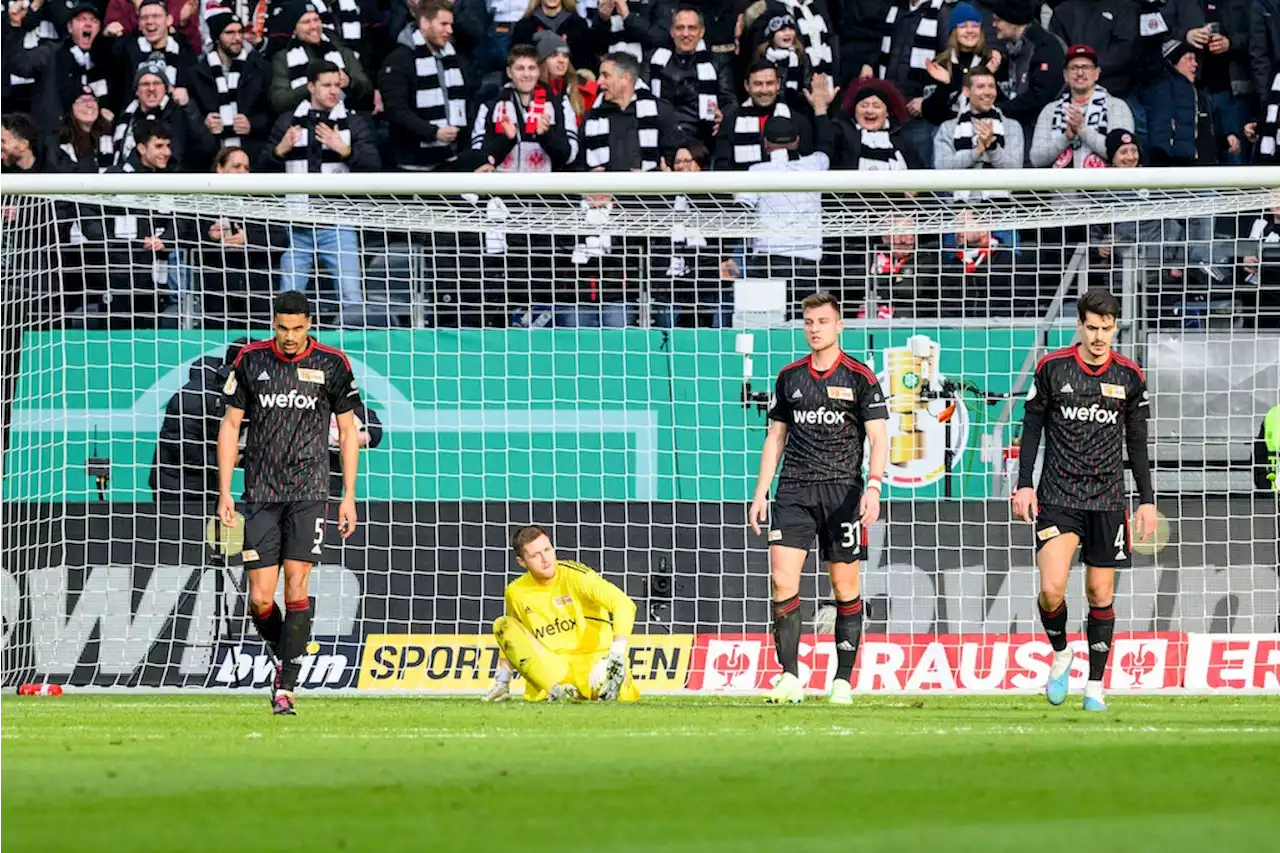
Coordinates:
[217,773]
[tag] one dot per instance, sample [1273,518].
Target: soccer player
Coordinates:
[287,387]
[1091,404]
[565,628]
[823,408]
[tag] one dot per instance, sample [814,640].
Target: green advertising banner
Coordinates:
[476,415]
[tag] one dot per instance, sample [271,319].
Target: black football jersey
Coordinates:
[1087,411]
[287,403]
[825,415]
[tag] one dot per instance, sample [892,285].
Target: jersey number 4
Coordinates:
[850,534]
[319,536]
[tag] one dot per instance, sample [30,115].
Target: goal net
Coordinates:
[594,353]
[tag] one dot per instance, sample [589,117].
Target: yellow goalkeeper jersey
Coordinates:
[578,612]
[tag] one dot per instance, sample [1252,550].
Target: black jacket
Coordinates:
[1264,49]
[1110,27]
[251,99]
[56,73]
[1033,81]
[185,464]
[364,150]
[398,82]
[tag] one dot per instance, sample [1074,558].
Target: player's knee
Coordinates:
[261,601]
[786,583]
[1100,592]
[1051,596]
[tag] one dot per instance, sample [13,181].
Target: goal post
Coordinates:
[592,352]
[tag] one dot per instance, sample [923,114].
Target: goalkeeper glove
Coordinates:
[501,689]
[610,672]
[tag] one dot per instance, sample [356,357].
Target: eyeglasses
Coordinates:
[1087,66]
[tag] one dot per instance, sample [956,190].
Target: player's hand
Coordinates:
[600,672]
[227,511]
[499,692]
[1025,505]
[758,514]
[347,517]
[869,508]
[1144,521]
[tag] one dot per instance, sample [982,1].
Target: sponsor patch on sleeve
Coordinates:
[1115,392]
[230,387]
[1048,533]
[306,374]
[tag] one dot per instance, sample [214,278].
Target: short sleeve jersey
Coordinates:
[826,414]
[288,402]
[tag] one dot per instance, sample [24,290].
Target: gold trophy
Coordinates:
[906,382]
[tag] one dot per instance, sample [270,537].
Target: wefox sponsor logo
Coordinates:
[1093,413]
[820,415]
[292,400]
[559,626]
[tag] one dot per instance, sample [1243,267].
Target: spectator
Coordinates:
[1264,58]
[980,136]
[1260,288]
[557,71]
[869,136]
[561,18]
[321,136]
[153,103]
[620,26]
[1072,132]
[1224,68]
[966,50]
[1110,28]
[229,88]
[185,465]
[1180,116]
[627,129]
[153,43]
[689,78]
[741,140]
[781,47]
[860,25]
[126,13]
[526,128]
[794,257]
[84,59]
[20,146]
[150,150]
[289,83]
[25,30]
[913,34]
[812,19]
[902,277]
[503,16]
[424,92]
[234,258]
[83,142]
[1033,63]
[978,275]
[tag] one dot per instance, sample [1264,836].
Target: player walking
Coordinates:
[1091,404]
[288,387]
[824,407]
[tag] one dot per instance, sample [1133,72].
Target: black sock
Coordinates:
[848,636]
[297,633]
[1055,624]
[786,634]
[269,627]
[1099,628]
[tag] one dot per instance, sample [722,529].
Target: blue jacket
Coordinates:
[1179,123]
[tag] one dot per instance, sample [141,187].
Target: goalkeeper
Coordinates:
[565,629]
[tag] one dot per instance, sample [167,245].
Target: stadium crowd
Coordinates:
[323,86]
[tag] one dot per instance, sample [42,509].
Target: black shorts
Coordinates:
[283,531]
[828,511]
[1104,533]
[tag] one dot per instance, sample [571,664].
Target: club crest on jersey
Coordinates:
[1048,533]
[839,392]
[1115,392]
[563,600]
[306,374]
[821,415]
[1093,413]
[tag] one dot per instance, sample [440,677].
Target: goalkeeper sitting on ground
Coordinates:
[565,628]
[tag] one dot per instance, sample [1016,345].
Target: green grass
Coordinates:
[214,773]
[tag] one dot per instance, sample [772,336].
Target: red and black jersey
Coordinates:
[825,414]
[288,402]
[1089,415]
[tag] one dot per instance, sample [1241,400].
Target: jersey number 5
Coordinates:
[319,536]
[850,531]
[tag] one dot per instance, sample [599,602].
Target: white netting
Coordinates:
[578,363]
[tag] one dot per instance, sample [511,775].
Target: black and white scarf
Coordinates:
[343,16]
[168,53]
[963,137]
[91,75]
[707,83]
[227,82]
[877,153]
[815,33]
[298,58]
[617,26]
[298,158]
[441,93]
[595,133]
[959,102]
[1095,116]
[103,157]
[122,140]
[748,131]
[790,69]
[923,44]
[1266,231]
[44,31]
[1269,126]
